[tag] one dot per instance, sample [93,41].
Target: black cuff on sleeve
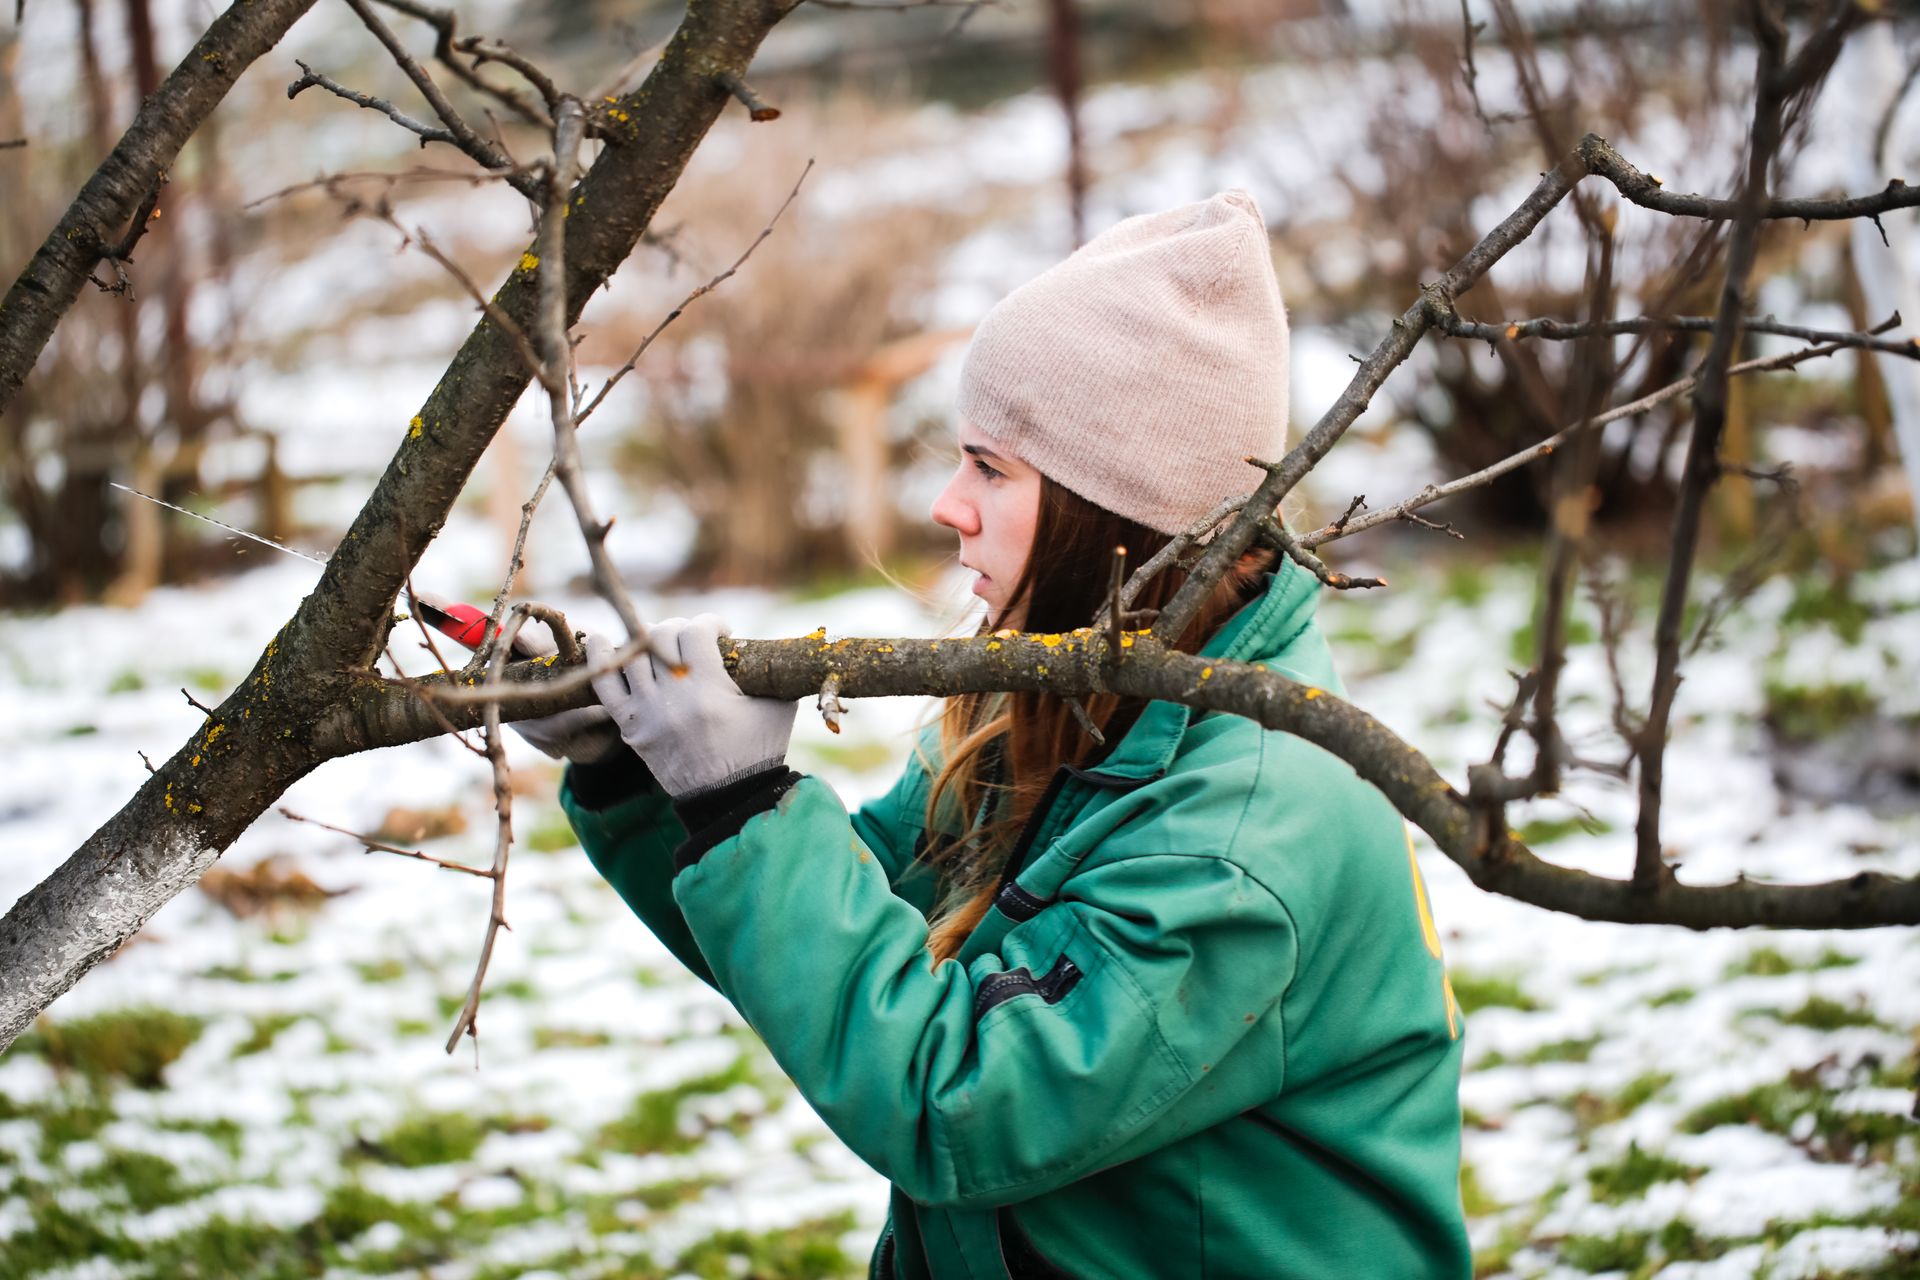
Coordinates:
[605,783]
[713,816]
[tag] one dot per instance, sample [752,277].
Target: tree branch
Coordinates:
[1560,330]
[1080,663]
[169,116]
[1702,465]
[309,78]
[483,153]
[263,738]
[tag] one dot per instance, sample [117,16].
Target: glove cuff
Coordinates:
[601,784]
[714,814]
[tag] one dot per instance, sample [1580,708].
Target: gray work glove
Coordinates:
[697,731]
[585,735]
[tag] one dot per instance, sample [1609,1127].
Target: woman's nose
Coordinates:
[953,511]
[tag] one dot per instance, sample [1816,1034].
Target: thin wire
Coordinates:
[240,533]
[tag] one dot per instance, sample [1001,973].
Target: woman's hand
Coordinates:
[696,731]
[585,735]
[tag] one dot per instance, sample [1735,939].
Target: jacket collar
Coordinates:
[1260,630]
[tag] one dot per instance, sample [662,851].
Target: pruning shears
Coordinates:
[462,622]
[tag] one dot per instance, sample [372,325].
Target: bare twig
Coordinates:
[198,705]
[1230,542]
[484,51]
[1646,191]
[144,760]
[1746,576]
[614,379]
[829,704]
[556,354]
[1558,330]
[309,78]
[380,846]
[517,560]
[335,183]
[1612,607]
[9,144]
[1167,555]
[1278,536]
[1883,131]
[462,135]
[1487,475]
[1091,729]
[736,85]
[444,25]
[467,1023]
[1469,30]
[384,211]
[1702,465]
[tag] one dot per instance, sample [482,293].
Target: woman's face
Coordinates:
[992,502]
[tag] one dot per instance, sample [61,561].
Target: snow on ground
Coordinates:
[270,1095]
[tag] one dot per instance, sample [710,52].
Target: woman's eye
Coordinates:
[986,470]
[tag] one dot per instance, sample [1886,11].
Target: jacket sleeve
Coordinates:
[631,833]
[1086,1040]
[629,836]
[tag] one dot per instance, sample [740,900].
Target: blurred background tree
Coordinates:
[960,150]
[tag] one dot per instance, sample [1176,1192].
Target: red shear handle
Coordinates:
[463,622]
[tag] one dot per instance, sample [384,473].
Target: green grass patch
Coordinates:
[1526,641]
[54,1237]
[1577,1050]
[569,1038]
[1474,1200]
[1489,991]
[1679,995]
[128,681]
[1805,712]
[652,1123]
[386,970]
[552,833]
[1837,1134]
[1770,962]
[434,1137]
[1631,1175]
[207,679]
[661,1196]
[1540,831]
[266,1028]
[147,1182]
[1641,1253]
[1596,1110]
[810,1251]
[856,757]
[1823,1014]
[134,1045]
[1827,604]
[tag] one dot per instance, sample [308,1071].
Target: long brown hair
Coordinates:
[998,750]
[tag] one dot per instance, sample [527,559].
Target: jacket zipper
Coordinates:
[1051,986]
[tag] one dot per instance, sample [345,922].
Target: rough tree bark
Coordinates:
[260,739]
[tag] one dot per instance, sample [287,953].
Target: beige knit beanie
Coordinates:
[1142,371]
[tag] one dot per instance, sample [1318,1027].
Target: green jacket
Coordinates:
[1204,1031]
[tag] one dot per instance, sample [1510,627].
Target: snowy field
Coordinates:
[268,1094]
[256,1086]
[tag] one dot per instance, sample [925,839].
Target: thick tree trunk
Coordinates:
[261,739]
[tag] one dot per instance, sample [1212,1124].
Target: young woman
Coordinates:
[1173,1006]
